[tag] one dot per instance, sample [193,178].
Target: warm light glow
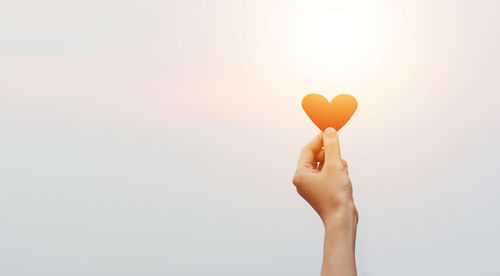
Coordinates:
[334,38]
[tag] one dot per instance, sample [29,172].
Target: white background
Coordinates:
[160,137]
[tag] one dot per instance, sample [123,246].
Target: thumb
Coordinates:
[331,147]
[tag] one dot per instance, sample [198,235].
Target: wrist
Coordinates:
[344,216]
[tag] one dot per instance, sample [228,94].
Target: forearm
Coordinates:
[339,243]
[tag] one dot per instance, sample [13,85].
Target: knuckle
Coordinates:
[344,163]
[300,191]
[298,179]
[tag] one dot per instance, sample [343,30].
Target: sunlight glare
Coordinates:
[333,38]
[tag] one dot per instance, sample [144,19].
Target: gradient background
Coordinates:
[160,137]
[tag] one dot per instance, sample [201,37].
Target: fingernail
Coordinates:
[330,131]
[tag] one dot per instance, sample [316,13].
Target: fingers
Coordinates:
[331,148]
[320,157]
[307,155]
[345,166]
[320,166]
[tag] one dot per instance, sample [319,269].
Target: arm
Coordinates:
[322,179]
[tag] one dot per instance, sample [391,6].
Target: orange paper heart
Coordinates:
[329,114]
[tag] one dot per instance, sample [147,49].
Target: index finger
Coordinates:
[308,154]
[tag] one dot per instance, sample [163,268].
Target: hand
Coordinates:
[322,180]
[326,186]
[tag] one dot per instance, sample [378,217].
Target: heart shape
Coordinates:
[329,114]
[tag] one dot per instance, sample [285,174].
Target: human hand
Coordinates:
[322,178]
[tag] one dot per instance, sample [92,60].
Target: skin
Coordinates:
[322,179]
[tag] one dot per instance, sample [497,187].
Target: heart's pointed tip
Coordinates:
[323,128]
